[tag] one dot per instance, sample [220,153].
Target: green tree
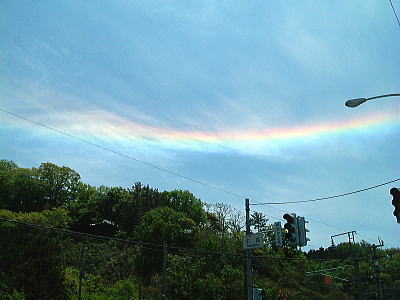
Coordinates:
[187,203]
[59,184]
[6,165]
[259,221]
[26,190]
[192,278]
[83,209]
[109,199]
[227,220]
[165,224]
[30,257]
[20,190]
[158,225]
[134,205]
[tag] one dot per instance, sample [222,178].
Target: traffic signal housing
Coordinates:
[301,222]
[292,232]
[395,192]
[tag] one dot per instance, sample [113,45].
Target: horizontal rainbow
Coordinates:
[109,126]
[113,126]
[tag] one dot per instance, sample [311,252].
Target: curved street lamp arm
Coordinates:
[358,101]
[382,96]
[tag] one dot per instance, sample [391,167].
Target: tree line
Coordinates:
[204,260]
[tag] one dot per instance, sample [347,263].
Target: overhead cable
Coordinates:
[329,197]
[106,238]
[142,244]
[125,155]
[183,176]
[394,11]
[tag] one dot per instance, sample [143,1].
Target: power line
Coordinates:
[322,223]
[183,176]
[298,258]
[186,177]
[315,221]
[145,245]
[281,210]
[394,11]
[80,234]
[150,246]
[273,217]
[124,155]
[329,197]
[308,219]
[319,222]
[142,244]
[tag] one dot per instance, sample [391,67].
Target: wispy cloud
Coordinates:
[259,140]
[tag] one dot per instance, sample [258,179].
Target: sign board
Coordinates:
[253,241]
[257,293]
[328,279]
[278,234]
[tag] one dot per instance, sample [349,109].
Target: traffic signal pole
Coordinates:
[249,271]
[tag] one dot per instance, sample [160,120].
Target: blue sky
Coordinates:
[156,80]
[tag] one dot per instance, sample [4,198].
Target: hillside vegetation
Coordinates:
[111,243]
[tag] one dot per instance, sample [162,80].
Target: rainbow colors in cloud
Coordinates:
[112,127]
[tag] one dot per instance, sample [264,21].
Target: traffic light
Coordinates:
[395,192]
[292,234]
[301,222]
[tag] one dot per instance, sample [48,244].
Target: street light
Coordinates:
[358,101]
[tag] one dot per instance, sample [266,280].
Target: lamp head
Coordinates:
[355,102]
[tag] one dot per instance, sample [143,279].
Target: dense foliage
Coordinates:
[203,243]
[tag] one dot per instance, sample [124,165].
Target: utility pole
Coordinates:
[81,271]
[164,271]
[249,271]
[377,269]
[140,290]
[356,261]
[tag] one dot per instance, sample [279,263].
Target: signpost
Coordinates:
[278,234]
[253,241]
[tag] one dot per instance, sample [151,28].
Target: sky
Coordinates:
[242,96]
